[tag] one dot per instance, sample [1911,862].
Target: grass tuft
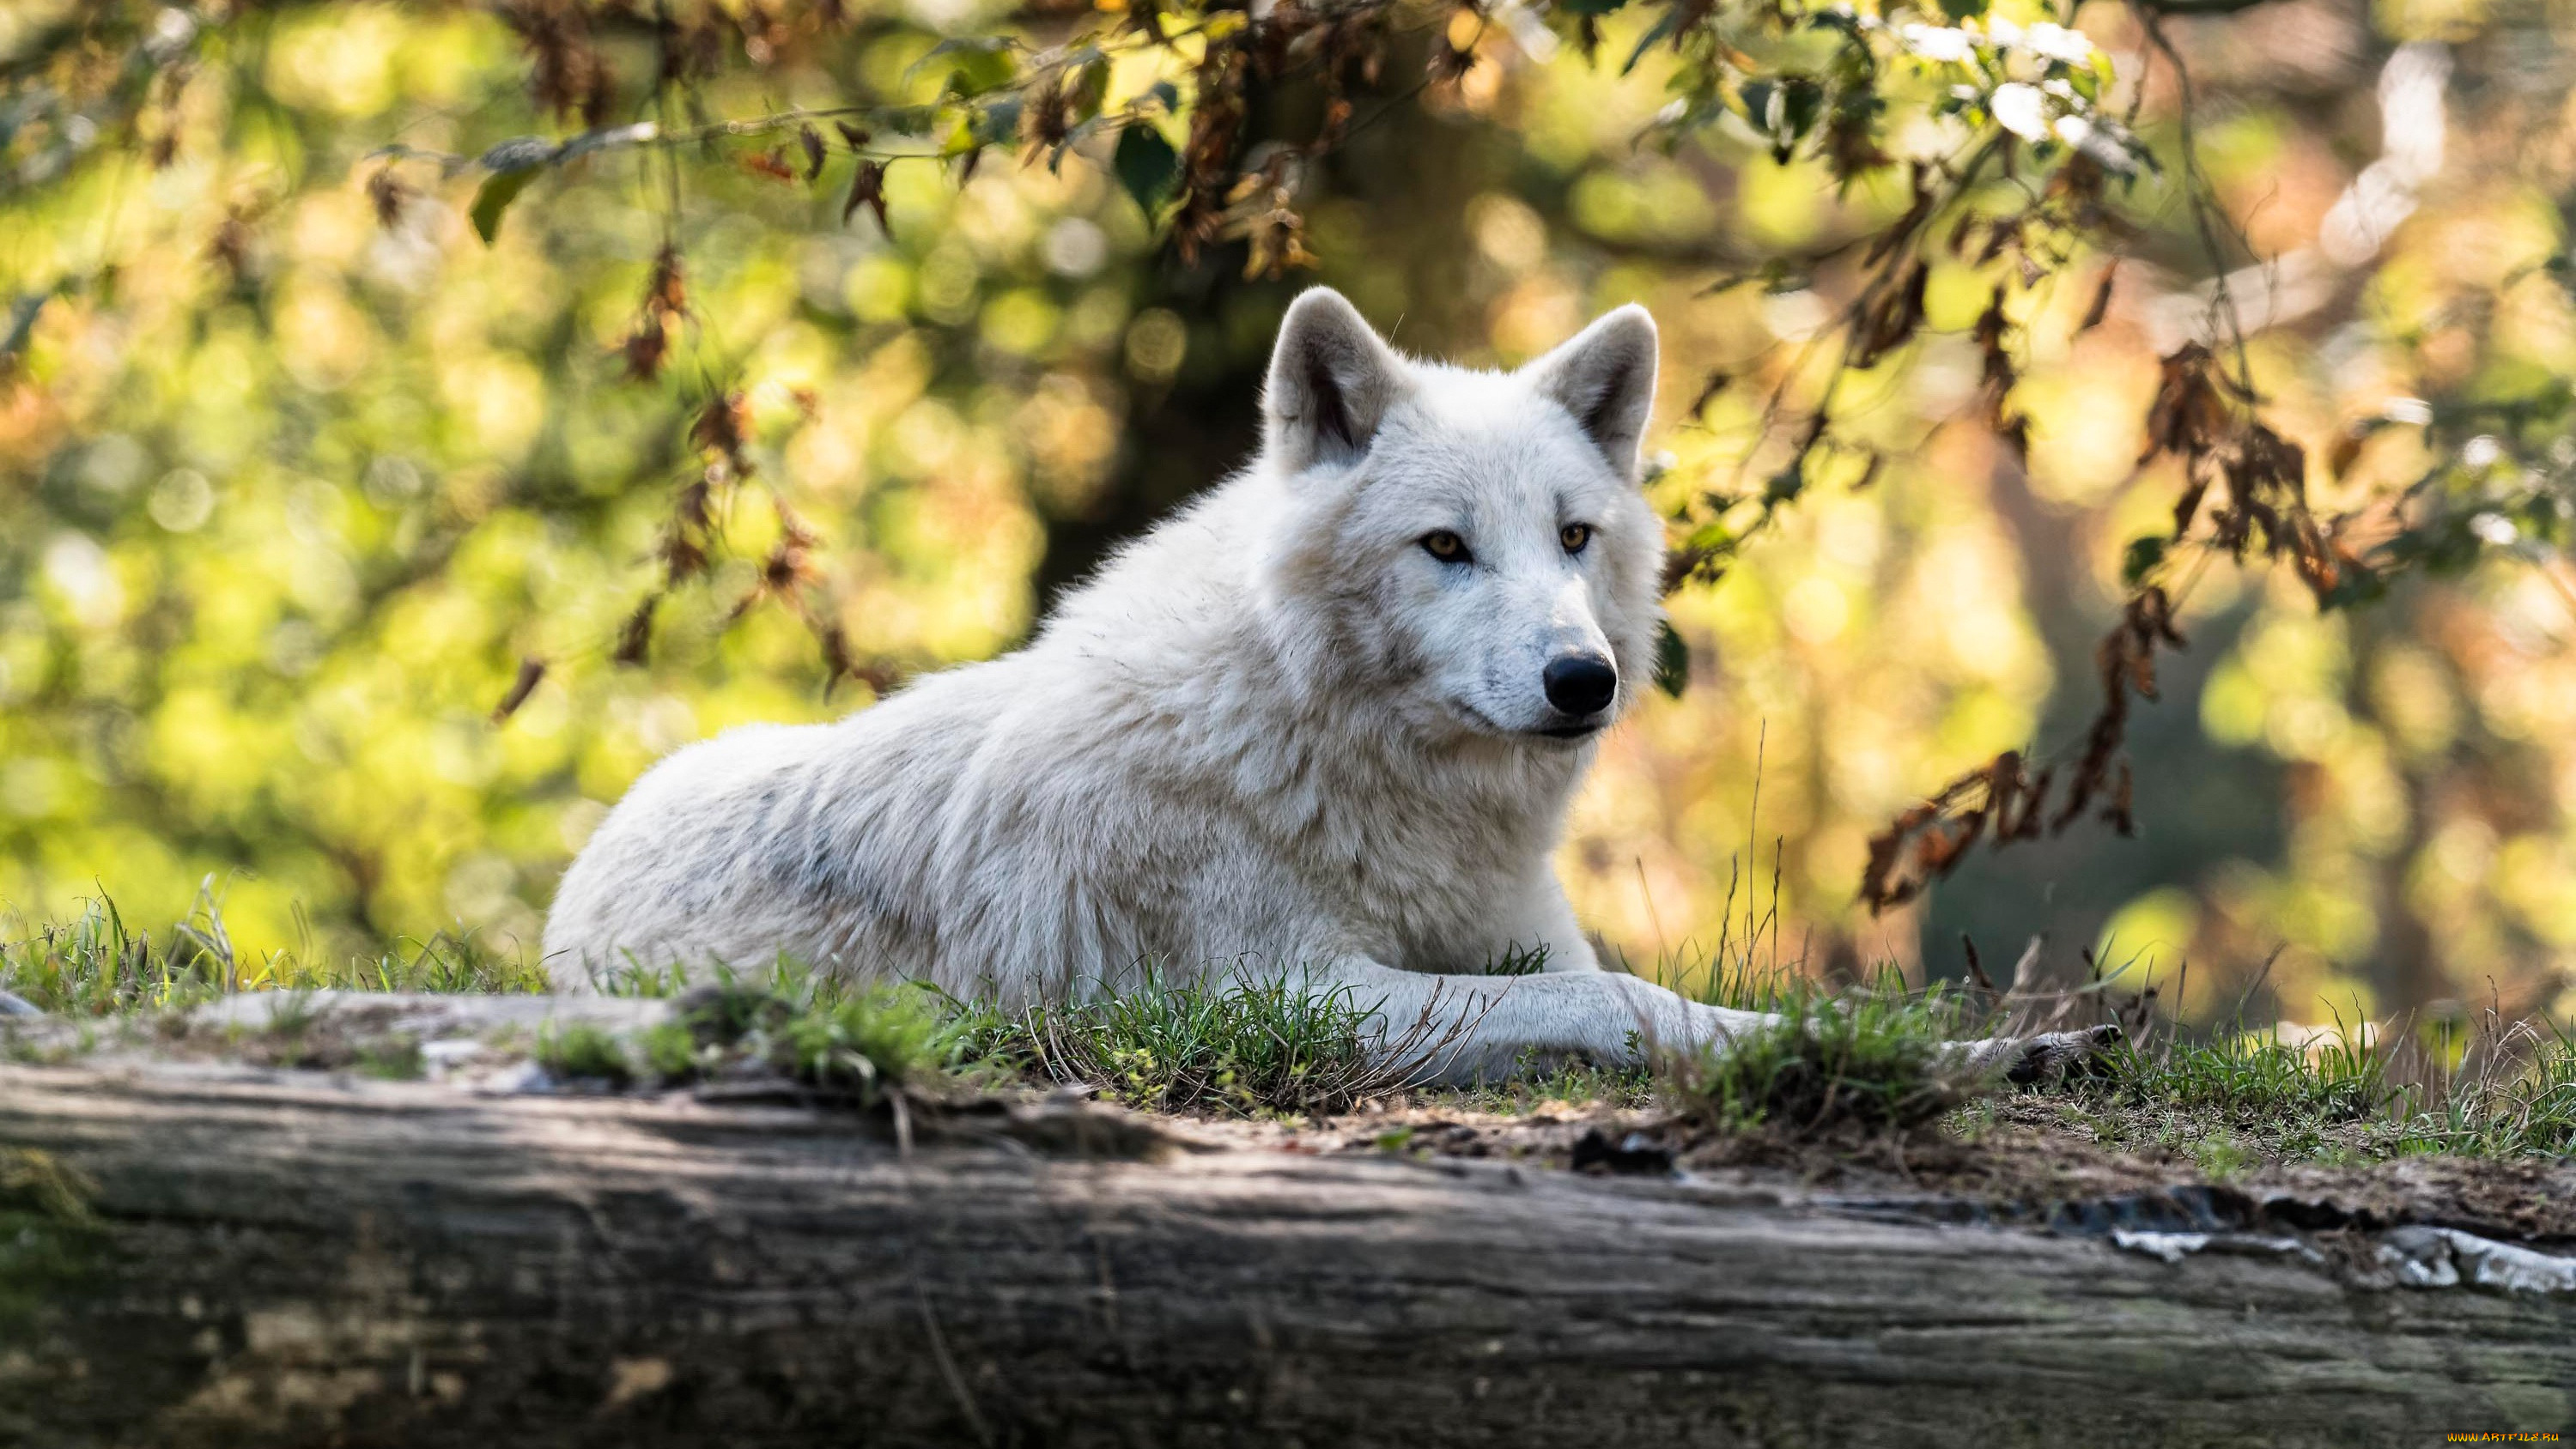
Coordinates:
[872,1042]
[2239,1098]
[1872,1062]
[581,1052]
[1236,1047]
[101,964]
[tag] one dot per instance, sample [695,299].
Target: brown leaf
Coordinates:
[1449,61]
[1958,241]
[1879,885]
[723,425]
[691,507]
[2187,507]
[646,348]
[1709,388]
[1278,241]
[867,189]
[836,657]
[2117,812]
[2000,377]
[771,163]
[1917,211]
[812,141]
[388,194]
[792,525]
[2187,416]
[1934,838]
[1890,319]
[1976,968]
[532,670]
[635,637]
[666,287]
[682,559]
[1851,144]
[2101,304]
[666,300]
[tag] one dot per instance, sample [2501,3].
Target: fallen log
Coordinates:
[211,1255]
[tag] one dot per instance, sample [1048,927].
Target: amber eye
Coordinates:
[1574,536]
[1445,546]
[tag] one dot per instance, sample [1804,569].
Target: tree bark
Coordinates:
[219,1255]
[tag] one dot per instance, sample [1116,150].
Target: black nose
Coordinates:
[1581,684]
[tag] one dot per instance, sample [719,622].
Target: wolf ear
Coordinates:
[1605,376]
[1331,382]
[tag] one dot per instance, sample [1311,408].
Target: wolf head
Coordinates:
[1473,545]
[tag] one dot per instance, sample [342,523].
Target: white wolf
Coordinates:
[1325,720]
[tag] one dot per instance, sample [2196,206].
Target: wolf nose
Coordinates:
[1581,684]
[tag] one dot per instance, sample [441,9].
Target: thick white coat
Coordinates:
[1276,733]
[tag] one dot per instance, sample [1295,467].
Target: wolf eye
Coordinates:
[1445,546]
[1574,536]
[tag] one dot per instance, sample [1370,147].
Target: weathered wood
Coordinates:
[285,1259]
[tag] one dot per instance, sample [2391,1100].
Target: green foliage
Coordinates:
[494,197]
[2141,558]
[1672,661]
[1147,166]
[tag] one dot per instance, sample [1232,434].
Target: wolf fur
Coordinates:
[1279,733]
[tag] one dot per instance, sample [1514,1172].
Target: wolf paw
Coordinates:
[2054,1056]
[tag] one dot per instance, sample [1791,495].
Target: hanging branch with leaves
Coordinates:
[2027,186]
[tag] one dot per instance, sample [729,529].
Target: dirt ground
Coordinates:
[2024,1167]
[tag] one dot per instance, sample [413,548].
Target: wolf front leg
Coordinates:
[1463,1029]
[2045,1057]
[1457,1030]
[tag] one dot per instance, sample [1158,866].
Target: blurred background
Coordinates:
[296,472]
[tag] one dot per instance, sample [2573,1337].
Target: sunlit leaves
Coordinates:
[976,65]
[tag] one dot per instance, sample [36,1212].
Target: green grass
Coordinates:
[1242,1047]
[854,1044]
[873,1041]
[1872,1061]
[581,1052]
[1865,1059]
[2233,1099]
[1553,1083]
[102,965]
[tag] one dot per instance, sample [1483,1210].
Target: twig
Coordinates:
[948,1367]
